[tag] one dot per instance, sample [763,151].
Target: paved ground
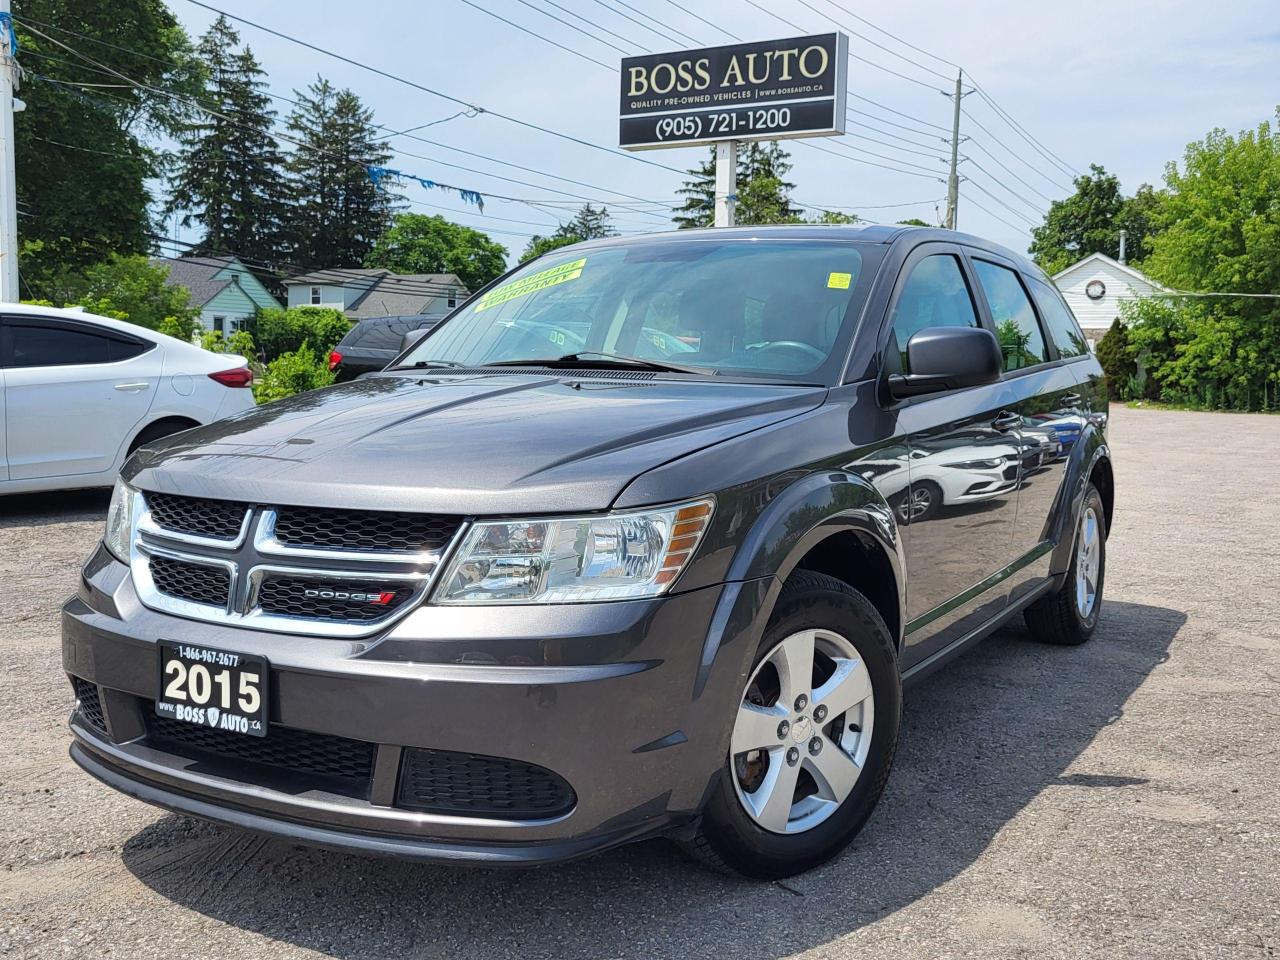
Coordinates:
[1118,800]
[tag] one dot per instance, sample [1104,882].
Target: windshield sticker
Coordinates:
[839,281]
[534,282]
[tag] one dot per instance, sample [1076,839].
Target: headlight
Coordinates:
[119,520]
[977,465]
[618,556]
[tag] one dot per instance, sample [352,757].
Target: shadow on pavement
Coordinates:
[980,740]
[59,506]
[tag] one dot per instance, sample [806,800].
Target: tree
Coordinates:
[338,211]
[229,171]
[589,223]
[1090,221]
[417,243]
[1219,220]
[82,164]
[836,217]
[913,222]
[127,287]
[764,195]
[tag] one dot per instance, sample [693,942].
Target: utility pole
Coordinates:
[8,183]
[726,181]
[953,181]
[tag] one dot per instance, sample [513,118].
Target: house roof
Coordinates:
[385,293]
[199,275]
[1094,258]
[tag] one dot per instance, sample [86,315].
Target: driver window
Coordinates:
[935,295]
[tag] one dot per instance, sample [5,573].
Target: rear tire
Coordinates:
[159,430]
[919,502]
[831,796]
[1069,616]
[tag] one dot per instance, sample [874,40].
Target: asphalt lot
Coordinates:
[1115,800]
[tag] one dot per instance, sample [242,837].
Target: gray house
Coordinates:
[361,293]
[224,289]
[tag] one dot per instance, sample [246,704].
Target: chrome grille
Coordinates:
[289,569]
[363,529]
[195,516]
[193,582]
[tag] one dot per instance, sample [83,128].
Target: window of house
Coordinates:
[1063,329]
[935,295]
[220,324]
[453,297]
[315,296]
[1017,329]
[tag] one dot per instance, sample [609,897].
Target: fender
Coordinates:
[808,511]
[1089,450]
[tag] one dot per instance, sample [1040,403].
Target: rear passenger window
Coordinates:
[50,346]
[935,295]
[1063,329]
[1016,327]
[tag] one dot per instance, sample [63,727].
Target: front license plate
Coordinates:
[213,688]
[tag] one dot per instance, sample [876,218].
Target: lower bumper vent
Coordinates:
[441,781]
[341,762]
[90,708]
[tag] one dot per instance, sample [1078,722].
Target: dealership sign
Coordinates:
[747,91]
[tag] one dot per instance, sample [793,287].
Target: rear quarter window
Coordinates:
[1059,320]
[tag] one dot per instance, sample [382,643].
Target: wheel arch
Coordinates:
[830,521]
[1090,463]
[177,421]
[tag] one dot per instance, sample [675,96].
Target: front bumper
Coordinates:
[615,698]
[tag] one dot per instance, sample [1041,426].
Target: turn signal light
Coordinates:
[237,377]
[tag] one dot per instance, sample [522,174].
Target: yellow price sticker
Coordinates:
[532,283]
[839,281]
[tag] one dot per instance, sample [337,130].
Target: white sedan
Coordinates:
[79,393]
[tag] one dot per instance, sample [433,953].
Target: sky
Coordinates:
[1123,83]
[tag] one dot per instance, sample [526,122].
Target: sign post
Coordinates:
[770,90]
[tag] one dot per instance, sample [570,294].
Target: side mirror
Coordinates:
[412,339]
[948,358]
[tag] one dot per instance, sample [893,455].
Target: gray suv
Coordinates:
[644,539]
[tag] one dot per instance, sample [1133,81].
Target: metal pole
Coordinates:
[726,181]
[953,181]
[1124,235]
[8,185]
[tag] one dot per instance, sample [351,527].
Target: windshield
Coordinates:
[734,307]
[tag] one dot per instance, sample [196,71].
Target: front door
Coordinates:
[964,458]
[73,393]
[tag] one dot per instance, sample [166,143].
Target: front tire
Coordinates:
[1069,616]
[813,736]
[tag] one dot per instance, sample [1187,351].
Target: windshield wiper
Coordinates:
[583,358]
[426,365]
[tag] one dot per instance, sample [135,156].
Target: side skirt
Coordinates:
[959,646]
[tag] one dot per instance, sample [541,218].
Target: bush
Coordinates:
[1120,368]
[278,332]
[295,372]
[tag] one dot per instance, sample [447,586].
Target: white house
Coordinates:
[361,293]
[1096,286]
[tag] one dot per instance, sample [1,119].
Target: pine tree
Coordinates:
[338,212]
[588,223]
[764,196]
[229,170]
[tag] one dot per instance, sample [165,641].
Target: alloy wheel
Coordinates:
[802,733]
[1088,562]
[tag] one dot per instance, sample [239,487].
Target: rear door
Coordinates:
[1045,396]
[4,458]
[958,513]
[73,392]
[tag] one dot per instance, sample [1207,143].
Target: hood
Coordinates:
[497,444]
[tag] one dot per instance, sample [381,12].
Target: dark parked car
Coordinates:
[373,343]
[511,603]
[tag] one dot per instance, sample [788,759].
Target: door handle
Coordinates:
[132,387]
[1072,400]
[1007,421]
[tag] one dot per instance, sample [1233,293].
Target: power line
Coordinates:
[1030,166]
[1014,210]
[1008,169]
[863,36]
[698,18]
[879,66]
[394,133]
[871,163]
[572,26]
[1034,206]
[437,93]
[996,216]
[1022,132]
